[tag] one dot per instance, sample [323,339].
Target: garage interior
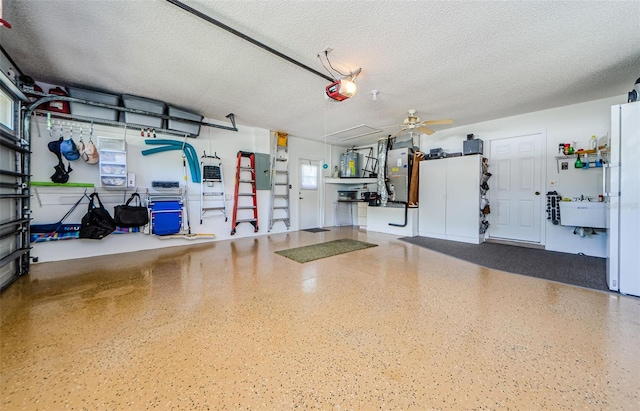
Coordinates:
[211,316]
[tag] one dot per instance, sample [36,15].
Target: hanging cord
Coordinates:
[209,131]
[184,142]
[326,55]
[325,137]
[352,74]
[325,67]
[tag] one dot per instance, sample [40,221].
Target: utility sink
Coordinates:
[582,214]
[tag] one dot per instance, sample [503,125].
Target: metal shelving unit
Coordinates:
[14,187]
[32,109]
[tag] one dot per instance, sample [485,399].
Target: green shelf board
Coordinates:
[50,184]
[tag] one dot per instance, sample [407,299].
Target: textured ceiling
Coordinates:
[469,61]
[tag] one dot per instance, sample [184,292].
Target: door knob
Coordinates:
[537,193]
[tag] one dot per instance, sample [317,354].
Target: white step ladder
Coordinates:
[212,194]
[280,181]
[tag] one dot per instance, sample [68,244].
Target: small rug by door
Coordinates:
[324,250]
[580,270]
[314,230]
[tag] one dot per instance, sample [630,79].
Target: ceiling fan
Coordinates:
[412,122]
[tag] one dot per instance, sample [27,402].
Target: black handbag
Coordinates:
[131,215]
[97,223]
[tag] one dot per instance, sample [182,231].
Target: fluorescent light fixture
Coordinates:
[354,132]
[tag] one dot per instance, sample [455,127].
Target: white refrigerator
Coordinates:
[622,191]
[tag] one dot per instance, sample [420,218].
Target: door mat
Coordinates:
[315,230]
[324,250]
[580,270]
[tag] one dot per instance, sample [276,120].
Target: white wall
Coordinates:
[49,204]
[571,123]
[565,124]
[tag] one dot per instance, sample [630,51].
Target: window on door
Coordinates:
[6,110]
[308,177]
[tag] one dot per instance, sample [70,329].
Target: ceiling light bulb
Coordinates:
[348,88]
[341,89]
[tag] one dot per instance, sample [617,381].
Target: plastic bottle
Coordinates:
[578,163]
[593,144]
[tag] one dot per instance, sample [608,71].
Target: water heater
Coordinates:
[349,164]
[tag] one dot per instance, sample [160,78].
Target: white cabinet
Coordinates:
[362,214]
[449,199]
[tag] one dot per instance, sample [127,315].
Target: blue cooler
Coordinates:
[166,217]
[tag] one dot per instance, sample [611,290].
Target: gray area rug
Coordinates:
[315,230]
[324,250]
[580,270]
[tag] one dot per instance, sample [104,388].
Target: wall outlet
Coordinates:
[131,179]
[554,183]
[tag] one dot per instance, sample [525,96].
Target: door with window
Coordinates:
[515,188]
[309,205]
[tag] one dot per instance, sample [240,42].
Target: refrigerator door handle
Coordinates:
[604,180]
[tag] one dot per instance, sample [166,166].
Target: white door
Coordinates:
[515,188]
[309,205]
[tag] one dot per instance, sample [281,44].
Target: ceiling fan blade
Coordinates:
[426,130]
[434,122]
[396,133]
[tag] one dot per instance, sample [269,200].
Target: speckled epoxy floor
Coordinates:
[231,325]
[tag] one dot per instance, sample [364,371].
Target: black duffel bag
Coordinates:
[97,223]
[131,215]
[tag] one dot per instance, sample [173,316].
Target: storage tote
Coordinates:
[186,127]
[79,109]
[144,104]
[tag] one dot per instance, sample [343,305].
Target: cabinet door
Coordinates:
[432,198]
[463,192]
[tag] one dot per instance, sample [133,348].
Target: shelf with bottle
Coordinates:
[602,152]
[596,146]
[588,158]
[587,153]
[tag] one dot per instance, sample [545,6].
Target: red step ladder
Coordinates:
[245,177]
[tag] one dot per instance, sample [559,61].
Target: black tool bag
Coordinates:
[97,223]
[131,215]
